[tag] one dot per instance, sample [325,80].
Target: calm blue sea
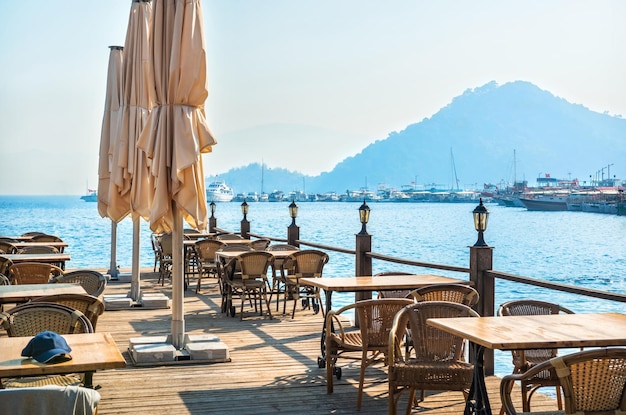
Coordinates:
[575,248]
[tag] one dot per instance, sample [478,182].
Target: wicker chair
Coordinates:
[523,360]
[32,272]
[454,293]
[46,238]
[278,273]
[392,293]
[26,320]
[92,282]
[437,362]
[593,382]
[205,254]
[164,246]
[370,341]
[155,249]
[308,263]
[33,233]
[43,249]
[253,282]
[260,244]
[92,307]
[229,237]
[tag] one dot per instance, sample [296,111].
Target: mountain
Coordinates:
[471,141]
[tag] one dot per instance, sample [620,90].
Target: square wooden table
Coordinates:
[90,352]
[529,332]
[21,293]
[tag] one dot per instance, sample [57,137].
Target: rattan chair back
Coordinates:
[228,236]
[32,272]
[454,293]
[42,249]
[46,238]
[260,244]
[92,307]
[92,281]
[28,319]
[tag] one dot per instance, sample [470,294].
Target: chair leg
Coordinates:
[361,379]
[409,405]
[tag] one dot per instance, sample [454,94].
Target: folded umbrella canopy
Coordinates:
[110,121]
[108,137]
[131,175]
[177,133]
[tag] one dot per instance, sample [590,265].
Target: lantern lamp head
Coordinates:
[293,212]
[481,215]
[364,217]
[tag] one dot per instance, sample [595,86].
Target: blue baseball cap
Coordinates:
[47,347]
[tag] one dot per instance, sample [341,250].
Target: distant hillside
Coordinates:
[479,130]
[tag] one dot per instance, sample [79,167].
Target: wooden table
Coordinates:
[46,258]
[12,294]
[529,332]
[373,283]
[90,352]
[369,283]
[234,254]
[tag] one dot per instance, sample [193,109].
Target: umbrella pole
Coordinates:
[113,272]
[135,293]
[178,322]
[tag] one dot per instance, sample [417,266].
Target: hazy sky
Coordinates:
[358,68]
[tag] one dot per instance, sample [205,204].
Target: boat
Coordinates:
[546,202]
[90,196]
[219,191]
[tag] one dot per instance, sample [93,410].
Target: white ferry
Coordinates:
[219,191]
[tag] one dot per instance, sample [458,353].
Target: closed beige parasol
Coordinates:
[177,133]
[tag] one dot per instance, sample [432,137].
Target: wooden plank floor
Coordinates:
[273,368]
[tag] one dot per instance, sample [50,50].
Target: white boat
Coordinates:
[219,191]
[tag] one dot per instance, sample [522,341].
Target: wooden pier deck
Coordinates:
[273,368]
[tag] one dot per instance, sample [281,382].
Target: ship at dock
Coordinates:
[219,191]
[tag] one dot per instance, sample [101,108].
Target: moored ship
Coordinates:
[219,191]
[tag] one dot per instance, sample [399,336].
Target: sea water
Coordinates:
[576,248]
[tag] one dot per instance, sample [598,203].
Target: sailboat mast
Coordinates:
[454,176]
[514,169]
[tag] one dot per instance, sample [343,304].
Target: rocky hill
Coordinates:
[469,142]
